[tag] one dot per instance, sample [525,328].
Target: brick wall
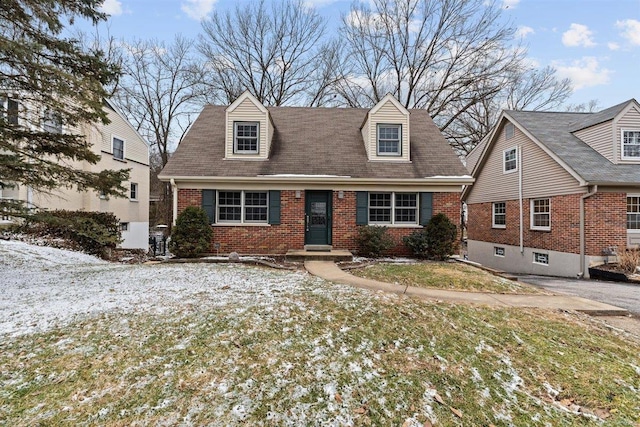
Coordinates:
[605,224]
[277,239]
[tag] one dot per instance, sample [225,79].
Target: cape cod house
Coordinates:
[555,192]
[273,179]
[120,147]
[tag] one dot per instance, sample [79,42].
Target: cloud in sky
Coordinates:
[578,35]
[630,30]
[585,72]
[613,46]
[111,7]
[524,31]
[198,9]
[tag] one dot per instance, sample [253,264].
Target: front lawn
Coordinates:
[230,345]
[443,275]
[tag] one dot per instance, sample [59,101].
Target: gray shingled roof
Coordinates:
[553,130]
[592,119]
[312,141]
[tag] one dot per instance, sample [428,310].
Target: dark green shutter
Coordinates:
[426,207]
[209,204]
[274,207]
[362,207]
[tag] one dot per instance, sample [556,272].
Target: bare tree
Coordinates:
[278,54]
[161,92]
[454,58]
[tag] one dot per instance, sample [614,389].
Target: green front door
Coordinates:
[318,217]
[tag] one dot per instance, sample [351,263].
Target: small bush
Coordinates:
[96,233]
[192,233]
[629,260]
[373,241]
[436,241]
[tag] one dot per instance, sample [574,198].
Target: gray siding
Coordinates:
[541,175]
[473,157]
[600,138]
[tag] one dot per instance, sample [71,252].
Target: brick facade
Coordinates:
[605,224]
[290,234]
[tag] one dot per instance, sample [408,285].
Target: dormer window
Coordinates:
[631,144]
[245,137]
[389,137]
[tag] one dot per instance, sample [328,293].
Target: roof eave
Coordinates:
[274,179]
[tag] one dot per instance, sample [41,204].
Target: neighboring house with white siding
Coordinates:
[555,192]
[120,147]
[272,179]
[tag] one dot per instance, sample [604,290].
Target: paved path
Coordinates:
[620,294]
[330,271]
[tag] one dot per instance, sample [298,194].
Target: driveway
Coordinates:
[620,294]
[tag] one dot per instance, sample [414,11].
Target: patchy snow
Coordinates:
[43,287]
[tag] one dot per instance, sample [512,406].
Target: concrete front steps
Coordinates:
[331,255]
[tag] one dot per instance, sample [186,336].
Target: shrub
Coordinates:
[192,233]
[374,241]
[436,241]
[629,260]
[96,233]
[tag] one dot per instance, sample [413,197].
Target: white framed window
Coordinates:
[541,214]
[540,258]
[117,145]
[9,109]
[133,194]
[498,251]
[633,212]
[393,208]
[51,122]
[389,140]
[124,226]
[243,207]
[499,216]
[509,131]
[510,160]
[630,144]
[246,137]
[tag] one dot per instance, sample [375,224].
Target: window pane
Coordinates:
[510,160]
[229,206]
[118,148]
[380,207]
[406,208]
[246,137]
[255,207]
[499,213]
[541,213]
[633,213]
[389,139]
[631,144]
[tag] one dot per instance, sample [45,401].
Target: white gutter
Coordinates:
[174,187]
[287,179]
[582,227]
[520,199]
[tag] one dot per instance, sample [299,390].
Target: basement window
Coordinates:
[540,258]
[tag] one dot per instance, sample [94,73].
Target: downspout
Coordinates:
[174,187]
[582,227]
[520,200]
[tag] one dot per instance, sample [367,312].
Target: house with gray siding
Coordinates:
[555,192]
[274,179]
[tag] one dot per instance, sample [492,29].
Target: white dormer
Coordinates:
[385,131]
[249,129]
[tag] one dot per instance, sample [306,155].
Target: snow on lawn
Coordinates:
[43,287]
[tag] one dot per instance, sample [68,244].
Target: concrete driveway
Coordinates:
[620,294]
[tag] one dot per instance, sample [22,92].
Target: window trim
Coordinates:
[393,207]
[632,230]
[504,161]
[235,137]
[622,156]
[113,151]
[493,215]
[531,214]
[133,194]
[243,206]
[389,125]
[535,260]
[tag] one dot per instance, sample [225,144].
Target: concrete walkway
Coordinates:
[330,271]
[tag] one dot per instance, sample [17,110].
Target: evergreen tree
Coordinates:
[47,83]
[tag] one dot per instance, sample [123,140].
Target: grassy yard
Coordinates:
[322,355]
[443,275]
